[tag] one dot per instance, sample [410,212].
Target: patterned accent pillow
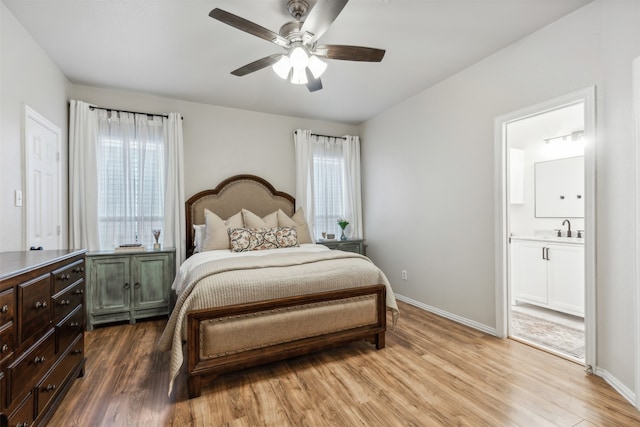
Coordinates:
[258,239]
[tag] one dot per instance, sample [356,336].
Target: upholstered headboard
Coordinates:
[230,196]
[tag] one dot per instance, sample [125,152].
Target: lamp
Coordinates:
[293,66]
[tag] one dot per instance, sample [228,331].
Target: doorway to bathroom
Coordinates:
[546,226]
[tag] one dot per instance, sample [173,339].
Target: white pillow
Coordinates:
[299,221]
[252,220]
[217,230]
[199,234]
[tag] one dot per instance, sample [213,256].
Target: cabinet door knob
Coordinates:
[79,292]
[4,348]
[136,285]
[76,352]
[74,324]
[51,387]
[126,286]
[41,304]
[4,309]
[37,360]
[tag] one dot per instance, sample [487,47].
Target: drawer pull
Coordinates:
[37,360]
[79,291]
[78,269]
[4,348]
[41,304]
[76,352]
[24,424]
[74,324]
[65,277]
[65,302]
[4,309]
[51,387]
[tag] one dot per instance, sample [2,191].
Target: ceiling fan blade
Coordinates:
[257,65]
[314,84]
[321,17]
[350,53]
[248,27]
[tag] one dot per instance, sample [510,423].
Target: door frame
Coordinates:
[636,119]
[501,217]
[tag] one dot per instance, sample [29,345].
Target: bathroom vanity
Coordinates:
[548,272]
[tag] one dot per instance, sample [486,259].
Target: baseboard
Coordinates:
[470,323]
[622,389]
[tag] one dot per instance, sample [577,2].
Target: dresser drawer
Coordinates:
[7,340]
[35,311]
[7,306]
[65,302]
[69,328]
[67,275]
[23,416]
[27,371]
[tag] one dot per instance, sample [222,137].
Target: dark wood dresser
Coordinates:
[41,332]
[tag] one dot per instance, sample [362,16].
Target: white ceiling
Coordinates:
[174,49]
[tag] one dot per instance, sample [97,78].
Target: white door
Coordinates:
[43,180]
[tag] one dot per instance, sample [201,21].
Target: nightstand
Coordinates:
[349,245]
[128,285]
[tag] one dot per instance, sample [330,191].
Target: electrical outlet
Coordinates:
[404,274]
[18,198]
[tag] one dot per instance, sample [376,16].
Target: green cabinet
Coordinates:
[128,285]
[350,245]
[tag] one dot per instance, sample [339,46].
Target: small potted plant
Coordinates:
[343,224]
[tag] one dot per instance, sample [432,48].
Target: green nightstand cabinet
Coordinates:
[350,245]
[128,285]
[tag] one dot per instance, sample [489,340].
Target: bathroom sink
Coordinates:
[546,238]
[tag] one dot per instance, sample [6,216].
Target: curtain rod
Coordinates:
[132,112]
[326,136]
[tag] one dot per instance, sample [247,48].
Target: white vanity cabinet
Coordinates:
[549,274]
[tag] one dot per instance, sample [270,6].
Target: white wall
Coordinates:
[220,142]
[428,172]
[27,76]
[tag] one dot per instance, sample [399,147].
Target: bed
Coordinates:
[238,309]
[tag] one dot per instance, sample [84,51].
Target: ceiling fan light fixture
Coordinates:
[317,66]
[299,76]
[299,58]
[283,67]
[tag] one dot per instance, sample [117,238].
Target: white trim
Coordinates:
[447,315]
[624,391]
[636,119]
[501,214]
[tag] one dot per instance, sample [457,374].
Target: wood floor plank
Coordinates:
[433,372]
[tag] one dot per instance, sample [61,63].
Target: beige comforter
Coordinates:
[249,279]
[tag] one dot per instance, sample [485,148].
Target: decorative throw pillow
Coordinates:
[258,239]
[252,220]
[199,232]
[216,235]
[299,221]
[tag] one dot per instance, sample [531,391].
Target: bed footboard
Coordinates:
[239,336]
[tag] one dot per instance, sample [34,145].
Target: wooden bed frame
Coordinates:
[260,197]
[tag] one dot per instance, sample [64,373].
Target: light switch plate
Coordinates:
[18,198]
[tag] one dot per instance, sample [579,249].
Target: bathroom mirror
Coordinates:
[559,188]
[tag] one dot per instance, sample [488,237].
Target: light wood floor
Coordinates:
[433,372]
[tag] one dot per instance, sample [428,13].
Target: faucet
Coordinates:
[568,227]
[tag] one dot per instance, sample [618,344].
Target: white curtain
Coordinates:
[83,184]
[174,220]
[126,178]
[328,182]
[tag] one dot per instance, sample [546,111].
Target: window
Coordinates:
[328,182]
[130,180]
[329,192]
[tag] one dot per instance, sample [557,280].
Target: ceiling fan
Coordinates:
[301,63]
